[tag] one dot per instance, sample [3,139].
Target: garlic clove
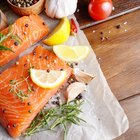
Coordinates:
[74,89]
[3,21]
[82,76]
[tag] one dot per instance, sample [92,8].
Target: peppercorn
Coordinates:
[26,25]
[14,125]
[16,43]
[79,97]
[24,3]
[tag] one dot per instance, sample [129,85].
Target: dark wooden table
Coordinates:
[118,52]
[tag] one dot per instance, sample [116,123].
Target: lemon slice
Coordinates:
[60,34]
[45,79]
[71,53]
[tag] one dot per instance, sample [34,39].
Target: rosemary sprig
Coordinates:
[15,88]
[59,116]
[4,37]
[5,48]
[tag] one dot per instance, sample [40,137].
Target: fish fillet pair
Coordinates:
[20,98]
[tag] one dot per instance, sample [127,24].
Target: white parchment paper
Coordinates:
[104,115]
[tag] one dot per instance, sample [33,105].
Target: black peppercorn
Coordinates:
[79,97]
[118,26]
[14,125]
[26,25]
[34,53]
[16,43]
[30,111]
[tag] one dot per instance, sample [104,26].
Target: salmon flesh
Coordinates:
[20,98]
[29,29]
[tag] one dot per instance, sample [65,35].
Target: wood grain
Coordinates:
[132,109]
[119,55]
[121,7]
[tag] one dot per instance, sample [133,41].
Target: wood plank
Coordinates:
[121,7]
[119,55]
[132,108]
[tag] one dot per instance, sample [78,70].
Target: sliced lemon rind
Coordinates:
[46,84]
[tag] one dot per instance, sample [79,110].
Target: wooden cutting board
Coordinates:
[121,7]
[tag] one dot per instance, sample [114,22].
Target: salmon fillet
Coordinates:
[30,29]
[17,113]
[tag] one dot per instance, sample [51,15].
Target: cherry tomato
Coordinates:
[100,9]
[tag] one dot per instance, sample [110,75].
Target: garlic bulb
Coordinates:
[60,8]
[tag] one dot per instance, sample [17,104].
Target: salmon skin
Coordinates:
[17,113]
[30,29]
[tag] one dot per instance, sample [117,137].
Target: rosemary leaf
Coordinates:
[59,116]
[5,48]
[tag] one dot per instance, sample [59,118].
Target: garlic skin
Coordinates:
[60,8]
[82,76]
[74,89]
[3,21]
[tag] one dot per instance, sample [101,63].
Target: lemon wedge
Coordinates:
[47,79]
[71,53]
[60,34]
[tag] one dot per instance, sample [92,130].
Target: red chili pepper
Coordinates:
[74,28]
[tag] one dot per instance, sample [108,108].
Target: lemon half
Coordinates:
[60,34]
[47,79]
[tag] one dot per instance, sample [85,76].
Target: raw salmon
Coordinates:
[30,29]
[17,110]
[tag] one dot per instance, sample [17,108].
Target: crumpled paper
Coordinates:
[104,116]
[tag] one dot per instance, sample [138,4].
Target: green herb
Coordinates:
[62,115]
[15,88]
[4,37]
[5,48]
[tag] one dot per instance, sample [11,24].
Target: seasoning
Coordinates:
[40,56]
[24,3]
[118,26]
[25,65]
[14,125]
[34,53]
[76,64]
[16,43]
[8,126]
[61,69]
[17,63]
[79,97]
[26,25]
[4,110]
[48,70]
[30,111]
[102,38]
[29,103]
[101,33]
[43,23]
[46,57]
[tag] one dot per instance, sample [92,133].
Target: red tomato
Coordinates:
[100,9]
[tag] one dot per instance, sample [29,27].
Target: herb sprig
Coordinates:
[62,115]
[15,88]
[4,37]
